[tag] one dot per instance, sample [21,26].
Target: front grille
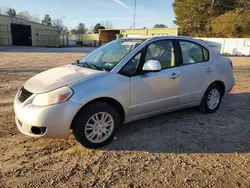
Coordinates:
[24,95]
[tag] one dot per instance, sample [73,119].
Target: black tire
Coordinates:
[204,103]
[85,114]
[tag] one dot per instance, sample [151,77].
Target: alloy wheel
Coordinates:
[99,127]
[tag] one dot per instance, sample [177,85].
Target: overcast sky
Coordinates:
[90,12]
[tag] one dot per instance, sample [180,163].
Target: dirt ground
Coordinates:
[180,149]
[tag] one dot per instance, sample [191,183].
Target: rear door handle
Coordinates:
[208,70]
[174,76]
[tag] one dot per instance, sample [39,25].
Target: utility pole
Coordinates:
[134,14]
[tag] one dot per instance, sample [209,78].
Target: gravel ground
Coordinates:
[180,149]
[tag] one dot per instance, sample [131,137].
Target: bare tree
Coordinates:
[107,24]
[5,10]
[25,15]
[57,22]
[36,18]
[91,29]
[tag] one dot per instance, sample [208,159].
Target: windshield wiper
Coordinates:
[86,64]
[93,66]
[97,67]
[80,64]
[89,65]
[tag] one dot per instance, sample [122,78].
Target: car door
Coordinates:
[196,71]
[156,91]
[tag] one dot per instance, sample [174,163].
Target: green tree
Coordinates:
[246,25]
[11,12]
[219,7]
[243,5]
[47,20]
[192,16]
[202,17]
[232,24]
[81,29]
[160,26]
[73,32]
[97,27]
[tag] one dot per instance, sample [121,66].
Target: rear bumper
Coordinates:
[55,119]
[230,86]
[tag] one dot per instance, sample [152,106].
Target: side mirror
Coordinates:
[152,66]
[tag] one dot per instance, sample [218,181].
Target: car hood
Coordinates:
[59,77]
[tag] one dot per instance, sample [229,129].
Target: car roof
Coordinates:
[160,37]
[157,38]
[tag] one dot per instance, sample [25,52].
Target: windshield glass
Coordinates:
[109,55]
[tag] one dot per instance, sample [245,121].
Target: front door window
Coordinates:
[162,51]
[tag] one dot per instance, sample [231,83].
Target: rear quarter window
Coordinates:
[206,54]
[193,52]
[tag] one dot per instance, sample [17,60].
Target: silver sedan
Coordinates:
[122,81]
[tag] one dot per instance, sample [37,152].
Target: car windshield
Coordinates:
[109,55]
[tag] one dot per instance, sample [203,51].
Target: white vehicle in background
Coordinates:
[122,81]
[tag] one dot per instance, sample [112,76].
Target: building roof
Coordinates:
[14,17]
[137,29]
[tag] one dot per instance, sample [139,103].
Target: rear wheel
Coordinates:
[212,99]
[96,125]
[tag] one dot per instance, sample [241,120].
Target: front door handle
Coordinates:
[174,76]
[208,70]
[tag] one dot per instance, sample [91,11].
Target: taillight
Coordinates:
[231,63]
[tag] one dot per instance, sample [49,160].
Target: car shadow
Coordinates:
[190,131]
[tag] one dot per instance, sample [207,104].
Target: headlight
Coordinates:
[53,97]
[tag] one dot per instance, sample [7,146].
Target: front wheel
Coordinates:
[96,125]
[212,99]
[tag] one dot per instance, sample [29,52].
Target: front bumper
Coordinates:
[56,119]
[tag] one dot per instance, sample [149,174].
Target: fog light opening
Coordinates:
[38,130]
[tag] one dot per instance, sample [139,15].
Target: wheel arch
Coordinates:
[111,101]
[221,84]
